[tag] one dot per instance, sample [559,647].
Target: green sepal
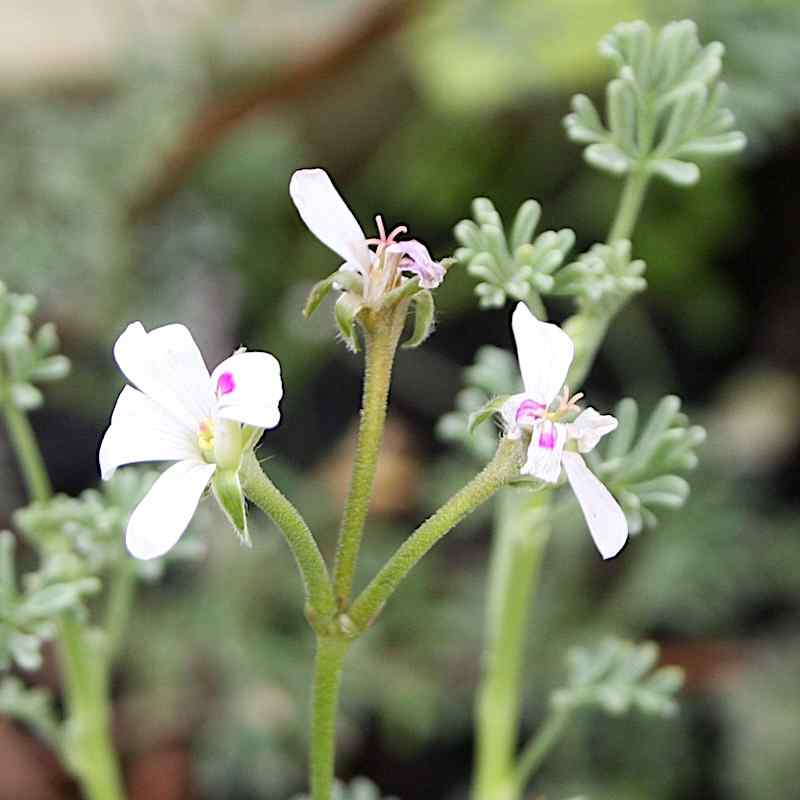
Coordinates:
[347,309]
[250,436]
[345,278]
[424,309]
[486,411]
[406,289]
[228,491]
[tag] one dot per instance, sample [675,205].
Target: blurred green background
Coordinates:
[145,153]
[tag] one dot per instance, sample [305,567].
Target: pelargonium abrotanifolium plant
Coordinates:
[178,412]
[663,107]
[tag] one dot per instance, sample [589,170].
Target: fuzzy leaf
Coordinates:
[516,264]
[641,472]
[662,106]
[33,707]
[618,676]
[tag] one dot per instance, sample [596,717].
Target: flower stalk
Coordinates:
[497,473]
[382,332]
[259,489]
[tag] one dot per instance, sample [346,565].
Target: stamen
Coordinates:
[381,229]
[396,232]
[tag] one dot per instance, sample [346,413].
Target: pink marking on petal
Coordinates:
[547,438]
[529,411]
[225,383]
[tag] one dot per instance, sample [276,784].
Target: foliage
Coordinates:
[494,373]
[664,108]
[604,276]
[29,617]
[513,265]
[26,358]
[32,706]
[641,472]
[619,676]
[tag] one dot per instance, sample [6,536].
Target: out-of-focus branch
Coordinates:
[224,114]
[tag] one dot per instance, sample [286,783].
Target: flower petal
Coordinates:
[508,413]
[167,366]
[590,427]
[248,388]
[327,216]
[418,260]
[142,430]
[605,518]
[545,353]
[545,451]
[166,510]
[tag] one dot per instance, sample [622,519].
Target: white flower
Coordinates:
[545,353]
[178,412]
[327,216]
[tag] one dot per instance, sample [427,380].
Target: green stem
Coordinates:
[121,589]
[630,204]
[87,746]
[325,701]
[497,473]
[521,536]
[30,459]
[382,333]
[262,491]
[539,746]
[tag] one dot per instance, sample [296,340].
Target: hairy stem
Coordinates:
[325,702]
[521,535]
[260,490]
[382,333]
[88,748]
[28,454]
[496,474]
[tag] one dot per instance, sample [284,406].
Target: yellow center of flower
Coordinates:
[205,439]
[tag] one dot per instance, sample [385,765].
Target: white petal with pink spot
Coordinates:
[545,354]
[178,412]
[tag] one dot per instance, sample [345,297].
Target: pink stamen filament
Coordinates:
[383,240]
